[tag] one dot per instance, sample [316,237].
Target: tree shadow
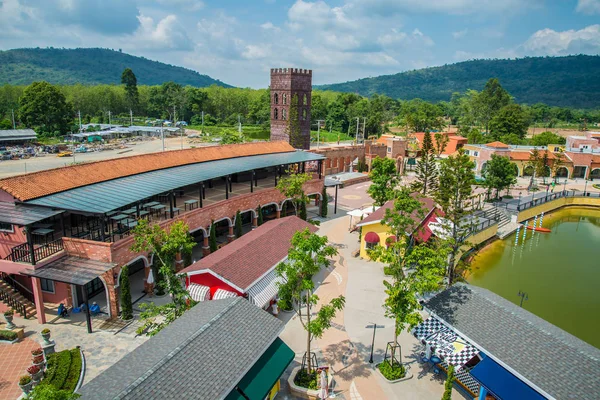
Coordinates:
[353,356]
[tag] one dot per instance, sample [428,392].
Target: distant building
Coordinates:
[454,143]
[17,136]
[285,84]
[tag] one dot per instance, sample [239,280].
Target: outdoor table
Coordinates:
[150,204]
[129,224]
[43,232]
[191,203]
[42,226]
[119,217]
[157,208]
[175,210]
[144,213]
[131,210]
[434,360]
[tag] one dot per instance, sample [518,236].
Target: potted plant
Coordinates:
[37,352]
[39,361]
[8,316]
[25,383]
[35,372]
[46,335]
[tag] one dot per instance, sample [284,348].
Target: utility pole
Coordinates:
[357,122]
[239,124]
[13,118]
[109,123]
[319,132]
[203,122]
[162,134]
[363,132]
[80,126]
[130,117]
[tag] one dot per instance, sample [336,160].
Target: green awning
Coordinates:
[257,383]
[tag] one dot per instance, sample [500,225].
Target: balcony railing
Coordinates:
[22,253]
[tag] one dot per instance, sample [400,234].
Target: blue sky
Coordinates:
[238,41]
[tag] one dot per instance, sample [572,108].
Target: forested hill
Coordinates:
[572,81]
[90,66]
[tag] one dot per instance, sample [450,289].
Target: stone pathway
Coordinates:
[14,360]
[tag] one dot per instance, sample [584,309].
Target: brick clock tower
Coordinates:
[285,84]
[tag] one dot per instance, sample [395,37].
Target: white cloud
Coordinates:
[268,26]
[186,5]
[255,52]
[460,34]
[166,34]
[551,42]
[457,7]
[589,7]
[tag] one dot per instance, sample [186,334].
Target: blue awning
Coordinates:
[501,383]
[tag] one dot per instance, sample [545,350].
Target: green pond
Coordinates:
[559,271]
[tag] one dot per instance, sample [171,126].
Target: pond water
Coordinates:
[559,271]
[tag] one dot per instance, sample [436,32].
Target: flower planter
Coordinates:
[37,376]
[407,375]
[9,321]
[46,337]
[26,388]
[302,392]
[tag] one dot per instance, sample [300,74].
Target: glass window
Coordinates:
[283,114]
[284,98]
[276,98]
[389,149]
[275,114]
[370,246]
[47,285]
[4,227]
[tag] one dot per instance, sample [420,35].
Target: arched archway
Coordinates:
[483,168]
[516,169]
[222,226]
[595,174]
[198,235]
[313,208]
[287,208]
[562,172]
[247,218]
[528,170]
[269,211]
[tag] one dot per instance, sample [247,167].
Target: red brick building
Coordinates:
[65,232]
[290,85]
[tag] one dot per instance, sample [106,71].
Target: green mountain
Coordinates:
[89,67]
[572,81]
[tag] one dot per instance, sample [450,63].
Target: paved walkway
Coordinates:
[15,358]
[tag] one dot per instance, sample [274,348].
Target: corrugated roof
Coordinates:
[201,355]
[560,364]
[21,214]
[43,183]
[109,195]
[69,269]
[245,260]
[17,134]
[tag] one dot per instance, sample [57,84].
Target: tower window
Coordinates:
[275,116]
[276,100]
[284,98]
[305,100]
[283,115]
[304,114]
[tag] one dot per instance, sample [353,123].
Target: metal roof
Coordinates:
[69,269]
[21,214]
[109,195]
[17,134]
[201,355]
[539,353]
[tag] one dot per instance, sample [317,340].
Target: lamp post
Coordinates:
[374,326]
[585,188]
[519,205]
[523,296]
[565,186]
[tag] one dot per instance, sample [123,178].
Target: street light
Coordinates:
[565,186]
[374,326]
[523,296]
[585,188]
[519,205]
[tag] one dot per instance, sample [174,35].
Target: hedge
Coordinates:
[64,369]
[8,335]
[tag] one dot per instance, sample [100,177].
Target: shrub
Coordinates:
[126,304]
[212,238]
[9,312]
[238,225]
[24,380]
[324,201]
[8,335]
[45,331]
[260,215]
[387,270]
[60,366]
[306,380]
[448,384]
[74,371]
[392,372]
[302,211]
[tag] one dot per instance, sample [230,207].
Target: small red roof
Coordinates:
[379,214]
[245,260]
[497,145]
[425,233]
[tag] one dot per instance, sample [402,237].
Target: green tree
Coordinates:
[449,383]
[546,138]
[212,237]
[230,136]
[292,187]
[456,172]
[324,202]
[302,212]
[384,178]
[537,163]
[415,269]
[126,304]
[499,174]
[490,101]
[426,170]
[441,141]
[44,108]
[421,116]
[509,120]
[165,245]
[131,91]
[308,254]
[238,225]
[260,215]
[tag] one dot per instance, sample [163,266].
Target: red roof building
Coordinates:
[246,266]
[454,143]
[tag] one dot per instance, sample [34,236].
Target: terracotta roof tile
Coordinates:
[582,159]
[43,183]
[498,145]
[248,258]
[452,146]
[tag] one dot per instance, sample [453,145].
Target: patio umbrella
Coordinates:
[150,279]
[323,384]
[369,210]
[354,213]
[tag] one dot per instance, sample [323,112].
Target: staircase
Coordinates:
[505,226]
[13,294]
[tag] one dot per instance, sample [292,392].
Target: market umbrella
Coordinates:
[355,213]
[369,210]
